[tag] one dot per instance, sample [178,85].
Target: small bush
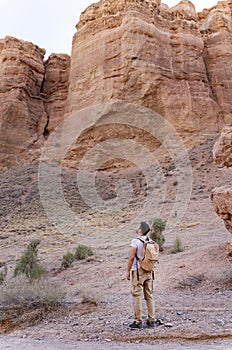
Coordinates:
[90,297]
[3,273]
[157,227]
[20,291]
[177,247]
[28,263]
[68,259]
[83,252]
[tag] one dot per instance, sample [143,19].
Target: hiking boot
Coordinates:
[135,325]
[150,324]
[159,322]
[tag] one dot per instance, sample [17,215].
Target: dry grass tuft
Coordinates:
[20,291]
[90,296]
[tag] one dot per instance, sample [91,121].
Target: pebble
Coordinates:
[220,322]
[168,325]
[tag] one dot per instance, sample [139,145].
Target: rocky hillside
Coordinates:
[172,60]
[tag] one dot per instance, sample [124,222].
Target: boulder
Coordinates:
[222,151]
[222,196]
[228,248]
[222,203]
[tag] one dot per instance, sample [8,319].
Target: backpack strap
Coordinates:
[136,256]
[141,240]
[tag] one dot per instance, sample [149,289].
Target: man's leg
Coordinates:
[148,296]
[137,289]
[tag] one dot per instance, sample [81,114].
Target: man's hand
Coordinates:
[130,262]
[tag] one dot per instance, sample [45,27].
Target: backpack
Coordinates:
[150,255]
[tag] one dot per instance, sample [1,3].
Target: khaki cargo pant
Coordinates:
[143,285]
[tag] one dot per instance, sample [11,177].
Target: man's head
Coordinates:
[143,228]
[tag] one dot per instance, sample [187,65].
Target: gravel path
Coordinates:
[14,343]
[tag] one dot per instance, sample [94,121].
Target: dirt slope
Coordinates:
[192,289]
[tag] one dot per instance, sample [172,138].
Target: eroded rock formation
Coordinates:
[172,60]
[55,89]
[22,117]
[32,99]
[143,52]
[222,196]
[216,29]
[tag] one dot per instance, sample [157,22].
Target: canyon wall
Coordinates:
[22,117]
[172,60]
[167,59]
[32,99]
[216,30]
[55,89]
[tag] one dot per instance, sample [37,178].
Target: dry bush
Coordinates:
[20,291]
[177,247]
[3,272]
[89,296]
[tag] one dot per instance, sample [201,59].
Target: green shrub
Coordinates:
[83,252]
[68,259]
[177,247]
[20,291]
[28,263]
[157,227]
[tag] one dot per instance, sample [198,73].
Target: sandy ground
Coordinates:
[192,289]
[12,343]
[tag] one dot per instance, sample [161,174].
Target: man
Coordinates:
[141,280]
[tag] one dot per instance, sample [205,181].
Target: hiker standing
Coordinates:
[142,281]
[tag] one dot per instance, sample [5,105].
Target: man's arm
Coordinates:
[130,261]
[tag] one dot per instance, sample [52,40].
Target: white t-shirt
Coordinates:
[136,243]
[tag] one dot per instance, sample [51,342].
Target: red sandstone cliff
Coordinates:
[32,99]
[142,52]
[175,61]
[55,89]
[22,110]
